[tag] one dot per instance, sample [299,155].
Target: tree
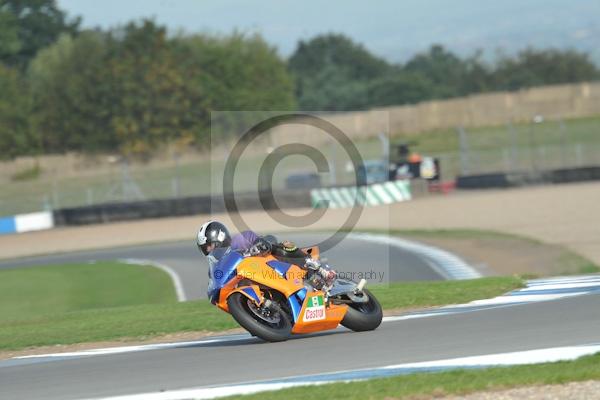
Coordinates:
[331,89]
[234,73]
[154,100]
[32,25]
[399,88]
[543,67]
[238,72]
[447,71]
[9,35]
[333,60]
[73,96]
[338,50]
[15,135]
[134,89]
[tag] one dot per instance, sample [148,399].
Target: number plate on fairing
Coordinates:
[315,309]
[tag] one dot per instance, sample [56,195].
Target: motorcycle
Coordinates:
[273,299]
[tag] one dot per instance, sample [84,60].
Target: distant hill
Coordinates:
[394,29]
[509,26]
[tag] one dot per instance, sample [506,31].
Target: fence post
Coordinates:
[579,154]
[514,146]
[90,196]
[55,202]
[563,143]
[46,206]
[465,165]
[176,183]
[175,187]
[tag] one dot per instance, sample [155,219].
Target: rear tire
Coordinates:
[363,316]
[240,311]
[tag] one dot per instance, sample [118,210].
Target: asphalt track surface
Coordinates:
[563,322]
[569,321]
[352,255]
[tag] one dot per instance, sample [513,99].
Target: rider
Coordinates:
[214,234]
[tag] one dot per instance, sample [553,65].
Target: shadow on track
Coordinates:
[246,339]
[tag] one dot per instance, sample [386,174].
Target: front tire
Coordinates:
[240,309]
[363,316]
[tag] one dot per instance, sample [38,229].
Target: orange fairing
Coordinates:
[316,315]
[256,269]
[253,273]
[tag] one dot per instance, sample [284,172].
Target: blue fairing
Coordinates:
[250,292]
[222,266]
[295,305]
[279,266]
[296,301]
[301,294]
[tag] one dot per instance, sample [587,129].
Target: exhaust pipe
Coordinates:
[361,285]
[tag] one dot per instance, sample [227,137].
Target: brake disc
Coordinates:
[266,314]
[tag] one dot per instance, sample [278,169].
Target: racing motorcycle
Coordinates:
[273,299]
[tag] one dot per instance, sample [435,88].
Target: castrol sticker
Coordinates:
[315,309]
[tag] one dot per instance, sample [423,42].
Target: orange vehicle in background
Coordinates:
[273,299]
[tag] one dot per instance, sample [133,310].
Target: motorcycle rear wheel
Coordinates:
[363,316]
[239,308]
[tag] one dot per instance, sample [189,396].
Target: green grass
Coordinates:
[461,233]
[575,264]
[459,382]
[424,294]
[35,292]
[549,133]
[117,323]
[150,320]
[27,174]
[570,262]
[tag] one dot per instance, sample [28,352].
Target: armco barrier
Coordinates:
[502,180]
[483,181]
[575,174]
[112,212]
[371,195]
[514,179]
[26,222]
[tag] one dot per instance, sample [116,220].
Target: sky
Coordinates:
[394,29]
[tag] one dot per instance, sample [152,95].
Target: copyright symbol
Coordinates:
[266,172]
[218,274]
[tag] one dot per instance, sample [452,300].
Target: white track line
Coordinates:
[443,262]
[514,297]
[132,349]
[567,353]
[174,276]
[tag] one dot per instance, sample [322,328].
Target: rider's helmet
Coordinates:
[211,235]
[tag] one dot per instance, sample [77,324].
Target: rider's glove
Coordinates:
[260,248]
[313,263]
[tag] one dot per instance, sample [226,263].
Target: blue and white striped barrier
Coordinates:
[375,194]
[26,222]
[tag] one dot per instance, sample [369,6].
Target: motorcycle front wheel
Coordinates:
[272,327]
[363,316]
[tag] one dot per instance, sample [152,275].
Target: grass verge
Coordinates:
[458,382]
[562,262]
[35,292]
[151,320]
